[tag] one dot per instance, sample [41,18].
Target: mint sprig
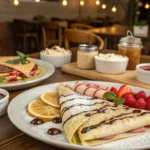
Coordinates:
[22,59]
[113,96]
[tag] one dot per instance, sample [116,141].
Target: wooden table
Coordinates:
[118,31]
[13,139]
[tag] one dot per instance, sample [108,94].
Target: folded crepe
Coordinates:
[5,67]
[92,122]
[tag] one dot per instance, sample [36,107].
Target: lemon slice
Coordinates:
[51,98]
[41,110]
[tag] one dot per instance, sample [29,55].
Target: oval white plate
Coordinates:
[48,71]
[16,113]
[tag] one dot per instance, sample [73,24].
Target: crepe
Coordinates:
[90,121]
[25,69]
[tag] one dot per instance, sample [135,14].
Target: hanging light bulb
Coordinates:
[114,9]
[97,2]
[37,1]
[82,2]
[64,2]
[104,6]
[16,2]
[147,6]
[140,4]
[138,12]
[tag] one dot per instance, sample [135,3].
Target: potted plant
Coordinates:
[141,28]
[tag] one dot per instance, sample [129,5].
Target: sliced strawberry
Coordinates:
[108,137]
[114,89]
[129,99]
[32,73]
[140,94]
[123,89]
[13,73]
[147,100]
[147,126]
[139,130]
[140,104]
[12,78]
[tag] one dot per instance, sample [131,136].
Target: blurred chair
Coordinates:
[52,33]
[23,34]
[81,26]
[82,37]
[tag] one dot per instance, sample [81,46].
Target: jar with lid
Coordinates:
[131,46]
[85,56]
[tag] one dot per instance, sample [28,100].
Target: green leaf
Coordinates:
[20,54]
[119,101]
[110,95]
[14,61]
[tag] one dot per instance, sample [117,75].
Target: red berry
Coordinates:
[140,103]
[147,100]
[129,99]
[123,89]
[148,106]
[140,94]
[113,89]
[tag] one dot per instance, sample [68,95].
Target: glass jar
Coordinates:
[131,46]
[85,56]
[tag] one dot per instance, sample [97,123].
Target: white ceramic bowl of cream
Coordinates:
[143,73]
[57,59]
[111,63]
[4,102]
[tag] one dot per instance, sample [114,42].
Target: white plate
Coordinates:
[19,117]
[48,71]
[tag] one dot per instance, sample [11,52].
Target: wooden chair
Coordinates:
[81,26]
[22,32]
[52,33]
[82,37]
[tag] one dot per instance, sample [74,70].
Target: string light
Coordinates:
[114,9]
[37,1]
[82,2]
[104,6]
[147,6]
[97,2]
[16,2]
[64,3]
[140,4]
[138,12]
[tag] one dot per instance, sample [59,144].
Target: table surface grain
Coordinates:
[12,138]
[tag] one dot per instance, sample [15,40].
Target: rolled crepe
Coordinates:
[91,122]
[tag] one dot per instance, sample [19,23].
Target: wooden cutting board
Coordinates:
[129,77]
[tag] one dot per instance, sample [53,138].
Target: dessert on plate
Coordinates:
[19,68]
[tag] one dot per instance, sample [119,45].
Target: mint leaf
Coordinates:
[14,61]
[113,96]
[20,54]
[110,95]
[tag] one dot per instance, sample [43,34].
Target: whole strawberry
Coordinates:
[147,100]
[140,94]
[148,106]
[140,103]
[114,89]
[129,99]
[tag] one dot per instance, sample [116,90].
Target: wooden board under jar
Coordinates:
[128,77]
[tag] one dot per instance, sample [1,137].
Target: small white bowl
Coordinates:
[57,61]
[111,67]
[143,75]
[4,102]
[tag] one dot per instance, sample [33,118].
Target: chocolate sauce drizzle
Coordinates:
[67,108]
[37,121]
[57,120]
[112,120]
[54,131]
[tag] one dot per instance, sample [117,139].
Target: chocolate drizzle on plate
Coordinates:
[57,120]
[54,131]
[37,121]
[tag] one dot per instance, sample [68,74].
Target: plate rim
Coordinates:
[60,143]
[45,76]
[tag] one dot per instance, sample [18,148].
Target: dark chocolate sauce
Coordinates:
[1,96]
[86,90]
[112,120]
[57,120]
[77,86]
[37,121]
[136,111]
[67,108]
[54,131]
[95,92]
